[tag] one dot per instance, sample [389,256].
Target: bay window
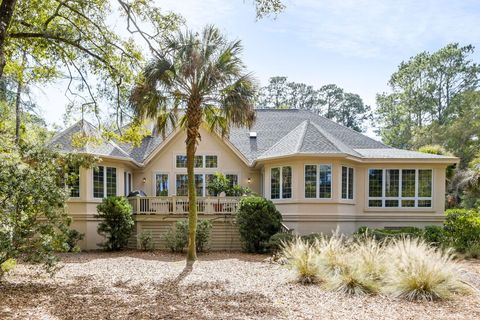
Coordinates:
[281,183]
[318,181]
[73,182]
[400,188]
[347,182]
[127,183]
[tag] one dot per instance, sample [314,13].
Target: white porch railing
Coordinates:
[180,205]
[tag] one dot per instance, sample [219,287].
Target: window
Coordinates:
[400,188]
[98,182]
[161,184]
[127,183]
[281,183]
[198,161]
[104,182]
[73,182]
[211,161]
[208,161]
[347,182]
[182,186]
[318,177]
[233,179]
[201,183]
[181,161]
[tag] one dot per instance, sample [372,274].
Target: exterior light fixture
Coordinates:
[144,180]
[249,180]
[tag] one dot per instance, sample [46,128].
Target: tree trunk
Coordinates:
[18,112]
[192,199]
[6,13]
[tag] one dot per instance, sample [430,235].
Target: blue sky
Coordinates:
[356,44]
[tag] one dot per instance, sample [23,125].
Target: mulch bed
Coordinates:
[157,285]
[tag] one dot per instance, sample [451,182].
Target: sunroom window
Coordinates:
[347,182]
[74,182]
[400,188]
[281,183]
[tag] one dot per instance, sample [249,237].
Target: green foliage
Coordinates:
[330,101]
[434,100]
[146,241]
[7,266]
[462,227]
[279,240]
[33,219]
[176,237]
[257,220]
[381,234]
[434,149]
[220,183]
[73,237]
[116,223]
[435,235]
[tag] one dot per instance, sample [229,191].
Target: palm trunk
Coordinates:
[192,198]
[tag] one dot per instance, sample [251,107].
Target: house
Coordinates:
[319,174]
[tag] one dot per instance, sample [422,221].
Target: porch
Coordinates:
[180,205]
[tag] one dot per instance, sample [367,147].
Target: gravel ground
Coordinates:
[139,285]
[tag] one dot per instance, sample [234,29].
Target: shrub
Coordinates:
[462,228]
[417,271]
[257,220]
[303,258]
[435,235]
[312,237]
[73,237]
[278,240]
[146,241]
[473,251]
[177,237]
[116,222]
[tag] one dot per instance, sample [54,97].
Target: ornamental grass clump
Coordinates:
[302,256]
[354,268]
[417,271]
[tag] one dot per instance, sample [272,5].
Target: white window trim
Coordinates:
[348,182]
[317,180]
[281,182]
[105,182]
[204,158]
[416,198]
[154,179]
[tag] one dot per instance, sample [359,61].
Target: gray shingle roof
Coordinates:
[279,133]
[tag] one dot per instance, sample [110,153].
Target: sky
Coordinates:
[356,44]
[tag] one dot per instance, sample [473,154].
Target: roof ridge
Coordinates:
[301,140]
[284,138]
[335,142]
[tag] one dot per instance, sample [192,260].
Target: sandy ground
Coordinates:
[156,285]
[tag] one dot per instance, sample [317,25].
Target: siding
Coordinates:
[224,234]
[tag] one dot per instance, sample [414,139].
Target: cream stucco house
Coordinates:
[319,174]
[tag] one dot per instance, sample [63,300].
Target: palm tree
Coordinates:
[200,80]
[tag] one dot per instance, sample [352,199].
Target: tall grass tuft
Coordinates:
[417,271]
[359,268]
[302,257]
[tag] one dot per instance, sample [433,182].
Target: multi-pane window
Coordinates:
[211,161]
[201,161]
[98,182]
[182,185]
[181,161]
[281,183]
[127,183]
[161,184]
[318,181]
[347,182]
[201,184]
[400,188]
[104,182]
[232,179]
[73,182]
